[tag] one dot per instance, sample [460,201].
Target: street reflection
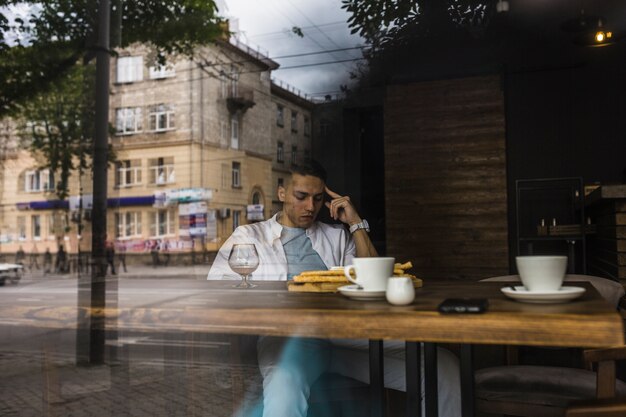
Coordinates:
[150,370]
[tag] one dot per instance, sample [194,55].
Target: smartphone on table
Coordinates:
[463,305]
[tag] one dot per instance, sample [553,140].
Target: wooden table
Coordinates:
[270,310]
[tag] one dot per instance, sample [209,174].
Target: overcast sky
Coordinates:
[269,24]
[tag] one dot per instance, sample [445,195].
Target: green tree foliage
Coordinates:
[60,34]
[383,22]
[57,126]
[401,33]
[46,71]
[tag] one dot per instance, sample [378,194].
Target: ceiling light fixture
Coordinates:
[587,30]
[601,35]
[502,6]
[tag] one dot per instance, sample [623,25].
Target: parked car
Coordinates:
[11,272]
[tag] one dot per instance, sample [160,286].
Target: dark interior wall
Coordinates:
[445,177]
[350,147]
[566,121]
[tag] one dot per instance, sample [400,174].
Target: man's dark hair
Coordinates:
[312,168]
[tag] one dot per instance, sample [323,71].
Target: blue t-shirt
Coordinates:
[299,252]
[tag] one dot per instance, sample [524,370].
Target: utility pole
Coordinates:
[100,158]
[92,295]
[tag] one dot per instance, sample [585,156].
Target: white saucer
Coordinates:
[356,293]
[561,295]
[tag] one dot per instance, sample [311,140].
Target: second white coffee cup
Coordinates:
[541,273]
[371,273]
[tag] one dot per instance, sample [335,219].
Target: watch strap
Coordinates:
[361,225]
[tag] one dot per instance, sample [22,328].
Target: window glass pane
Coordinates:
[21,227]
[234,138]
[36,227]
[129,69]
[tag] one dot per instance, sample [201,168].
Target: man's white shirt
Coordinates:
[333,243]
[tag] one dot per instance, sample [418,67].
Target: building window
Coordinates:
[280,152]
[307,126]
[57,224]
[236,218]
[128,224]
[128,173]
[234,81]
[307,156]
[21,228]
[162,171]
[236,175]
[161,118]
[281,182]
[163,223]
[223,84]
[128,120]
[234,132]
[158,72]
[51,225]
[280,115]
[129,69]
[36,227]
[294,121]
[39,180]
[256,198]
[294,155]
[325,128]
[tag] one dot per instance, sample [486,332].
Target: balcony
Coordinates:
[240,99]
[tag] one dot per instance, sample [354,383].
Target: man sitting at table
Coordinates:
[293,241]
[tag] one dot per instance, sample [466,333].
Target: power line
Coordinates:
[312,23]
[319,52]
[293,23]
[318,63]
[302,27]
[170,82]
[245,61]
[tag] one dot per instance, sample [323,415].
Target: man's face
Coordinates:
[302,200]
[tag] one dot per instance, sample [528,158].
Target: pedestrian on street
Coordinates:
[193,251]
[154,251]
[47,261]
[121,254]
[165,249]
[34,258]
[109,252]
[19,256]
[61,260]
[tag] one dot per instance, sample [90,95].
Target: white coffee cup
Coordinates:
[371,273]
[541,273]
[400,291]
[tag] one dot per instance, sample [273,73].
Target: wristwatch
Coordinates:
[362,225]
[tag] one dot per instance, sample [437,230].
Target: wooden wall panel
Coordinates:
[445,177]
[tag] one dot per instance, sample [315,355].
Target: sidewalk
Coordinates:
[40,384]
[153,375]
[134,272]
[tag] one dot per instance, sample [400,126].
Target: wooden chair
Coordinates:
[543,391]
[614,407]
[546,391]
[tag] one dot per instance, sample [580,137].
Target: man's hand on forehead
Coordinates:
[341,208]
